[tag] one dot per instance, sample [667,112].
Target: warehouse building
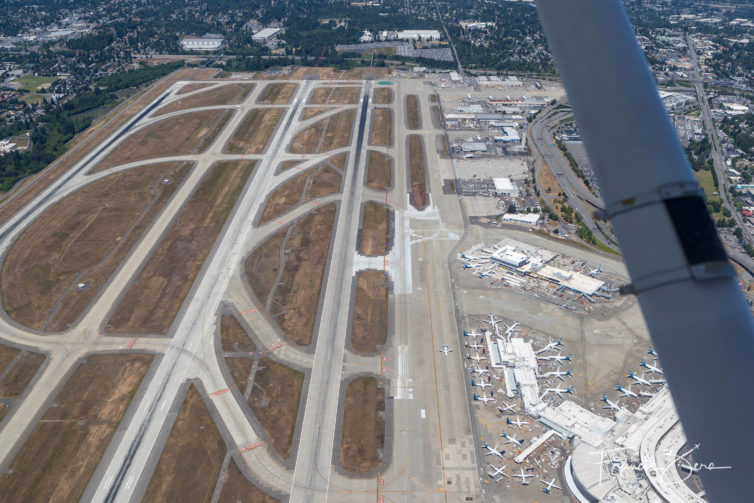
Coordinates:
[208,42]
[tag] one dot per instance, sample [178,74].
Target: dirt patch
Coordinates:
[363,425]
[236,487]
[433,98]
[192,87]
[328,134]
[370,311]
[286,165]
[233,337]
[21,371]
[441,143]
[417,172]
[379,171]
[229,94]
[82,240]
[190,133]
[291,289]
[548,181]
[62,452]
[412,112]
[88,140]
[335,96]
[153,300]
[255,131]
[310,112]
[375,229]
[319,181]
[7,354]
[434,111]
[279,93]
[192,457]
[382,127]
[365,73]
[383,96]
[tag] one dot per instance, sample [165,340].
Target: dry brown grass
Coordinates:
[255,131]
[412,112]
[7,354]
[191,87]
[192,457]
[417,171]
[382,127]
[549,183]
[295,294]
[310,112]
[20,373]
[328,134]
[434,111]
[363,426]
[441,142]
[228,94]
[233,337]
[82,239]
[383,96]
[370,311]
[379,171]
[319,96]
[318,181]
[286,165]
[236,487]
[375,229]
[62,452]
[365,73]
[190,133]
[153,300]
[278,93]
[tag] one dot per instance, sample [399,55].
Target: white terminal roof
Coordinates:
[524,218]
[266,33]
[509,256]
[502,184]
[474,147]
[578,421]
[573,280]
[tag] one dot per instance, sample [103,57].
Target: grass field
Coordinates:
[382,127]
[379,171]
[255,131]
[434,111]
[310,112]
[319,181]
[192,87]
[34,84]
[277,94]
[328,134]
[442,146]
[413,117]
[548,181]
[335,96]
[363,425]
[31,98]
[192,457]
[60,456]
[151,303]
[417,171]
[375,229]
[190,133]
[229,94]
[233,337]
[294,295]
[82,239]
[370,311]
[18,372]
[383,96]
[237,488]
[708,185]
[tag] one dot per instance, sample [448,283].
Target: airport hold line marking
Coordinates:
[219,392]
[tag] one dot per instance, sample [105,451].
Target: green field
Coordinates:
[33,84]
[31,98]
[707,183]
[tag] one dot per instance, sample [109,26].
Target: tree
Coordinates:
[512,208]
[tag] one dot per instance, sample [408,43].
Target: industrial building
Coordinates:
[521,218]
[266,34]
[504,187]
[469,147]
[208,42]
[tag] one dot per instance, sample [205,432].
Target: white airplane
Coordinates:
[651,368]
[517,422]
[549,346]
[595,272]
[549,485]
[475,370]
[509,330]
[653,353]
[496,473]
[468,96]
[523,476]
[473,334]
[506,407]
[444,349]
[511,439]
[486,274]
[481,384]
[559,374]
[610,405]
[484,399]
[492,451]
[626,392]
[474,258]
[557,358]
[475,345]
[477,357]
[645,382]
[494,321]
[559,391]
[646,394]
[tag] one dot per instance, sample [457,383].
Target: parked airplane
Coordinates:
[558,358]
[549,346]
[549,485]
[651,368]
[647,394]
[444,349]
[483,260]
[475,346]
[477,357]
[523,476]
[483,398]
[626,392]
[481,384]
[509,330]
[653,353]
[486,274]
[494,321]
[479,371]
[642,380]
[511,439]
[610,405]
[496,473]
[517,422]
[492,451]
[559,391]
[474,334]
[559,374]
[595,272]
[505,407]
